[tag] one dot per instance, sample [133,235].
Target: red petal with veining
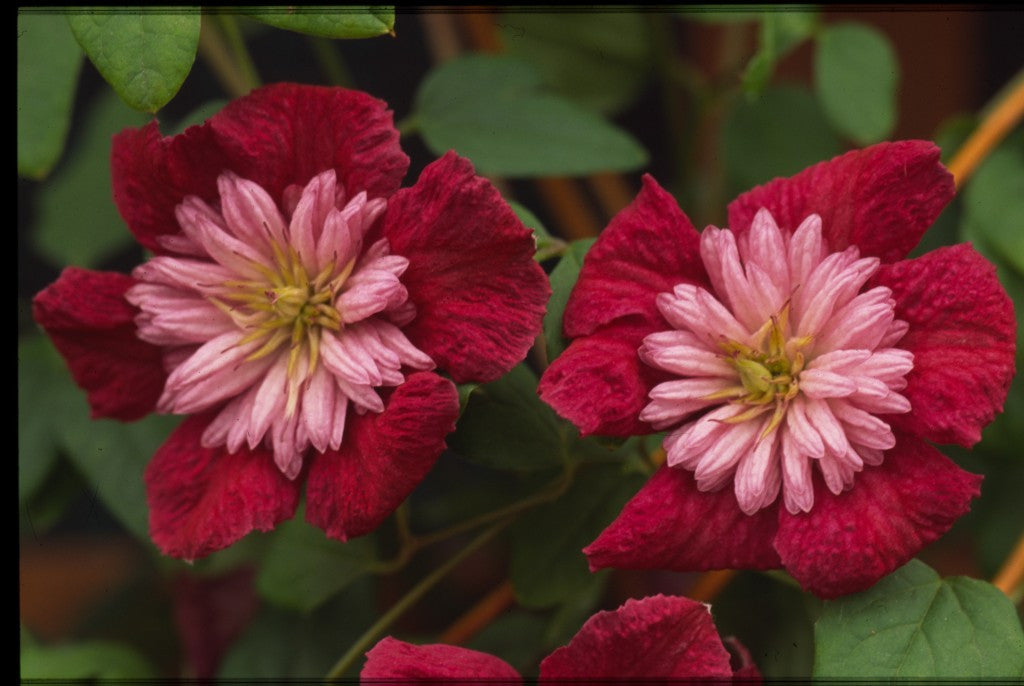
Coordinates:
[962,333]
[382,458]
[93,327]
[599,382]
[204,499]
[669,524]
[479,295]
[881,198]
[277,136]
[657,637]
[649,247]
[848,542]
[405,663]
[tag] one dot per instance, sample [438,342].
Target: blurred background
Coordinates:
[719,101]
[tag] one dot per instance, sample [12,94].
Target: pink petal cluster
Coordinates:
[791,367]
[799,365]
[659,637]
[296,309]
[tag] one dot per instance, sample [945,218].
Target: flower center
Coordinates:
[281,321]
[768,369]
[784,364]
[288,308]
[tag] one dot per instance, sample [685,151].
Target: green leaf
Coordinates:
[563,278]
[46,395]
[465,390]
[456,490]
[575,609]
[993,207]
[952,133]
[62,488]
[110,455]
[303,568]
[516,637]
[491,110]
[197,116]
[77,222]
[988,525]
[856,74]
[335,22]
[780,32]
[600,60]
[757,148]
[547,566]
[506,426]
[86,660]
[281,645]
[782,647]
[912,624]
[541,236]
[144,55]
[49,60]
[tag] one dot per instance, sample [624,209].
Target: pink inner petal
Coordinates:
[280,317]
[789,358]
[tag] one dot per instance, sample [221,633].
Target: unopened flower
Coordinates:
[296,309]
[800,367]
[659,637]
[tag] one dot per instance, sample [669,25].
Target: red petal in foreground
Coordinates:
[404,662]
[204,499]
[657,637]
[848,542]
[277,136]
[881,198]
[479,295]
[669,524]
[382,459]
[962,331]
[93,327]
[600,384]
[648,248]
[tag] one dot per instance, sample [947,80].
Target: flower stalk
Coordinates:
[1010,579]
[996,125]
[410,599]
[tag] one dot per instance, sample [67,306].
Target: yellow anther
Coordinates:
[285,307]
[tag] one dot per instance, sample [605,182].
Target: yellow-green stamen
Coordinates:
[768,371]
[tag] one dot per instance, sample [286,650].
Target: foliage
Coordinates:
[537,100]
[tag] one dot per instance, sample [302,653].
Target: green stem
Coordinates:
[409,599]
[676,80]
[229,25]
[550,493]
[330,62]
[782,578]
[407,126]
[411,544]
[217,56]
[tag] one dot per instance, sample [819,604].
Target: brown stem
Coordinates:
[1011,576]
[992,130]
[480,615]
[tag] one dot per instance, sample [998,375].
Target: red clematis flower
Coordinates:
[800,366]
[296,308]
[659,637]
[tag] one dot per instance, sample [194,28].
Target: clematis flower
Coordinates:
[659,637]
[297,310]
[800,366]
